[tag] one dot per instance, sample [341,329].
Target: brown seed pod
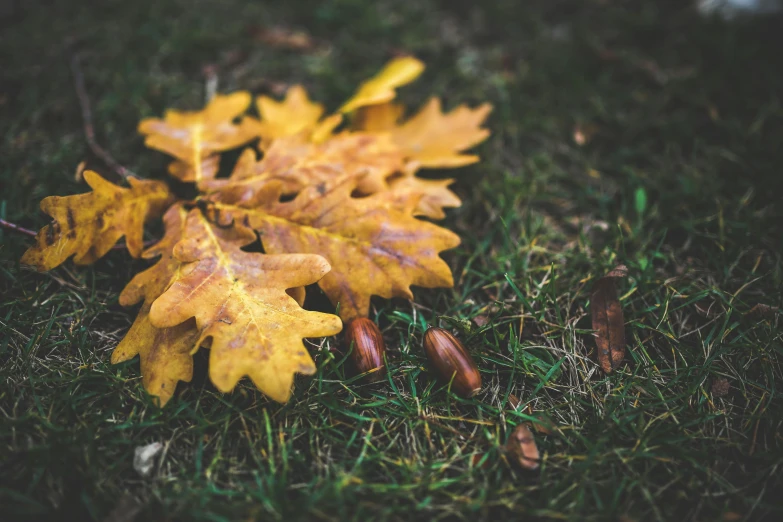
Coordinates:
[450,358]
[368,347]
[522,447]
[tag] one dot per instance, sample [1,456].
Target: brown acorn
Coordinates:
[368,347]
[450,358]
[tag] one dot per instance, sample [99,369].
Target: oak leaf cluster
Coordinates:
[334,200]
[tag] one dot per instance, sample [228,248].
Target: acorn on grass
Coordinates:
[364,339]
[450,359]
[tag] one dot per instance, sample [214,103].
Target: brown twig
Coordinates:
[89,130]
[13,227]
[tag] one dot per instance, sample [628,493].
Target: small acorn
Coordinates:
[368,347]
[449,358]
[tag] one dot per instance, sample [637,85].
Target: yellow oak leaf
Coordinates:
[368,158]
[295,114]
[422,197]
[323,131]
[250,172]
[297,163]
[164,353]
[185,171]
[193,136]
[373,248]
[435,139]
[381,87]
[86,226]
[378,118]
[239,301]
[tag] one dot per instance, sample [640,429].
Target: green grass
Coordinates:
[681,182]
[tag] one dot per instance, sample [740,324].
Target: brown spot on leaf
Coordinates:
[71,220]
[50,234]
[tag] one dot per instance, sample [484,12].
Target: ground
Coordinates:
[623,132]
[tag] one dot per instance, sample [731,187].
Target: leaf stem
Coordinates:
[13,227]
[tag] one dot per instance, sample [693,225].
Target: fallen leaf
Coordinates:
[434,139]
[185,171]
[324,130]
[522,447]
[608,321]
[87,226]
[295,114]
[165,353]
[381,87]
[373,249]
[193,136]
[239,300]
[298,163]
[378,118]
[423,197]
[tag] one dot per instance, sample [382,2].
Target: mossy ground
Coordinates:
[679,179]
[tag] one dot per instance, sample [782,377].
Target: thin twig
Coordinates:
[89,130]
[211,83]
[13,227]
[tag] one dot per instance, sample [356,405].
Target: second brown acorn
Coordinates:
[452,362]
[364,339]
